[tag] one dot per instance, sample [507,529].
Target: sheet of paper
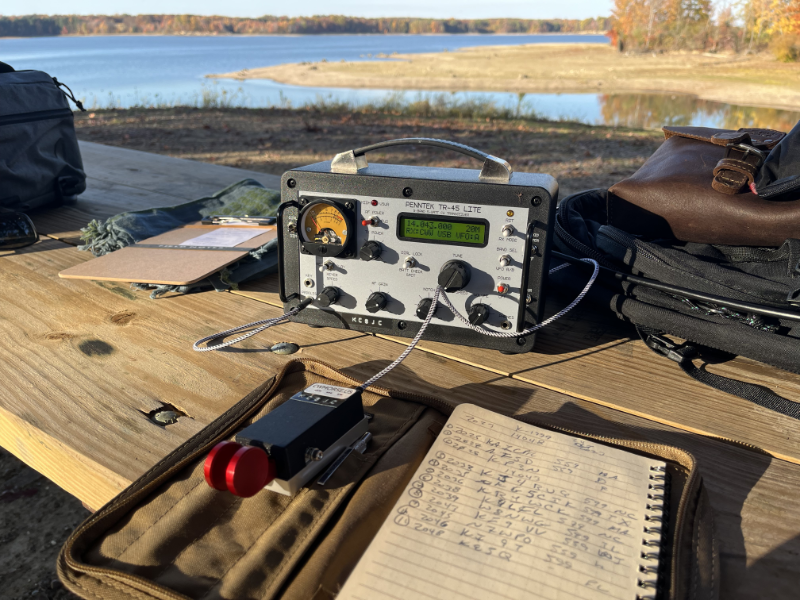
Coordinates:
[501,509]
[224,237]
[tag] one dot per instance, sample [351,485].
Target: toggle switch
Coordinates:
[507,230]
[371,222]
[410,262]
[505,260]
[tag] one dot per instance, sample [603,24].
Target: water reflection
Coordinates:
[652,111]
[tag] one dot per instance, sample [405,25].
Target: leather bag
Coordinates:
[697,188]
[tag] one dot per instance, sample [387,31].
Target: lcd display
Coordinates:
[443,231]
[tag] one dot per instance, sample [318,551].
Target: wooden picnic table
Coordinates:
[83,364]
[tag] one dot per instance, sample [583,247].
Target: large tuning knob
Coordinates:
[370,250]
[376,302]
[454,276]
[478,313]
[328,296]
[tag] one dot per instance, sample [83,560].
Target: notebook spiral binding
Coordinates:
[652,579]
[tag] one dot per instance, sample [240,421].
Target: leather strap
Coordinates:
[731,174]
[738,169]
[731,137]
[683,355]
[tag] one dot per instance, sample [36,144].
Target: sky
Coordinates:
[437,9]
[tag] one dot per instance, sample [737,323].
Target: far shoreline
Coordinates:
[228,34]
[578,67]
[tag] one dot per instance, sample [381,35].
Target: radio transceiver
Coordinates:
[451,255]
[369,244]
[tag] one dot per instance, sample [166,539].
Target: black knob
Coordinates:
[376,302]
[423,307]
[478,313]
[370,250]
[454,276]
[328,296]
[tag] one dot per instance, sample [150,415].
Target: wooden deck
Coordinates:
[83,363]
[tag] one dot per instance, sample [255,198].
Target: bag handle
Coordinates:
[495,170]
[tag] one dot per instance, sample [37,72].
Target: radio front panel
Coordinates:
[417,237]
[371,249]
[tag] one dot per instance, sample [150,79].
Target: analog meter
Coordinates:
[325,228]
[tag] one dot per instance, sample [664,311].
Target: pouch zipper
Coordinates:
[578,246]
[780,189]
[39,115]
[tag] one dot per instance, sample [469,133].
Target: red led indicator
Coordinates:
[374,203]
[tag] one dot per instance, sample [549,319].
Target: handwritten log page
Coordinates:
[502,509]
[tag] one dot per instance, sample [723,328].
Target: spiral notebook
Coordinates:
[501,509]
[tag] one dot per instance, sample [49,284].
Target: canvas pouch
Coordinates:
[170,536]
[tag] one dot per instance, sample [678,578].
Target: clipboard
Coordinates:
[163,259]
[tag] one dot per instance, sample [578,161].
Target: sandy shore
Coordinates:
[756,80]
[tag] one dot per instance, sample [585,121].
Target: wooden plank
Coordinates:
[81,362]
[120,180]
[163,174]
[590,355]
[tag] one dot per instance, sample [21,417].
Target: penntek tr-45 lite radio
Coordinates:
[370,243]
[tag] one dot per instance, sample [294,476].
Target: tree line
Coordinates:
[38,25]
[720,25]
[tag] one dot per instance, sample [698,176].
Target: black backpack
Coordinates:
[735,299]
[40,162]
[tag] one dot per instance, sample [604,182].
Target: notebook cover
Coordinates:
[167,266]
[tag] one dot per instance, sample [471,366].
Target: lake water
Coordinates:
[124,71]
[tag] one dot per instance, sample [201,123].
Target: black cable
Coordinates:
[758,309]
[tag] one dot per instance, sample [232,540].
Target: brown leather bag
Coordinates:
[696,188]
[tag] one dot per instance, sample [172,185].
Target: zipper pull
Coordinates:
[69,95]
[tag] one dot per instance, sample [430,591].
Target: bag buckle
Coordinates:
[679,353]
[747,149]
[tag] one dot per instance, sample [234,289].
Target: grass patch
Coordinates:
[430,105]
[399,103]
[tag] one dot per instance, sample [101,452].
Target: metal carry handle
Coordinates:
[495,170]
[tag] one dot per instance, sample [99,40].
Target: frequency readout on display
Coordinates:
[453,232]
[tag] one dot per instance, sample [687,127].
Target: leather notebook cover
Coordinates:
[146,262]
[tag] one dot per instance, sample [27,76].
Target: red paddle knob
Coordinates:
[217,463]
[248,471]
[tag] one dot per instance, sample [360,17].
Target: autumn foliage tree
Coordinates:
[42,25]
[643,25]
[740,25]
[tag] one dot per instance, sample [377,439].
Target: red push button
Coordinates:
[248,471]
[502,288]
[217,463]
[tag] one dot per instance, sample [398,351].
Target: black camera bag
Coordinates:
[40,162]
[767,277]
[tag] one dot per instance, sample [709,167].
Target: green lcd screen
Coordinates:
[444,232]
